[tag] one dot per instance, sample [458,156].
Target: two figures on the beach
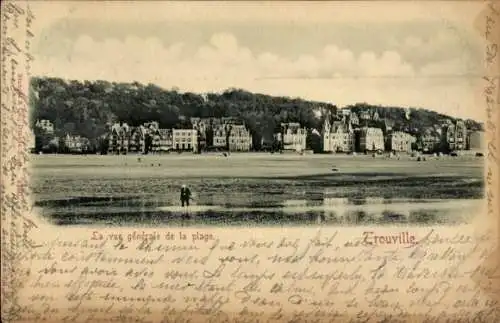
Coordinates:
[185,195]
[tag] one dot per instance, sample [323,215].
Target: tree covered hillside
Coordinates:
[84,108]
[413,120]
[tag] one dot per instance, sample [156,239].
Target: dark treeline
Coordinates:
[84,108]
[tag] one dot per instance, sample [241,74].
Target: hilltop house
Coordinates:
[229,120]
[353,118]
[76,144]
[45,125]
[346,112]
[365,115]
[342,114]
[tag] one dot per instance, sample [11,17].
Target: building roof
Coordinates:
[339,125]
[290,124]
[121,128]
[164,131]
[401,134]
[371,131]
[389,123]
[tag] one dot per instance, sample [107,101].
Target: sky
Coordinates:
[410,54]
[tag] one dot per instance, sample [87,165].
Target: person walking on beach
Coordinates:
[185,195]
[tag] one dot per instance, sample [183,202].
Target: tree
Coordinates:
[61,147]
[227,130]
[148,143]
[42,140]
[210,136]
[313,141]
[198,142]
[103,145]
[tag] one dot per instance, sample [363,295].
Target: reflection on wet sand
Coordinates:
[329,210]
[370,210]
[302,192]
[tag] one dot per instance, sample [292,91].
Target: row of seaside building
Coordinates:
[339,135]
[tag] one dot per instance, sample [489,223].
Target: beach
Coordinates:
[255,189]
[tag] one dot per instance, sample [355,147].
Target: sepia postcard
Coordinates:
[250,162]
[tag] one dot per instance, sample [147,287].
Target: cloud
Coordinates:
[337,59]
[223,56]
[332,74]
[413,43]
[448,67]
[389,64]
[225,42]
[444,46]
[220,57]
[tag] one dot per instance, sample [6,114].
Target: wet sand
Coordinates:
[258,189]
